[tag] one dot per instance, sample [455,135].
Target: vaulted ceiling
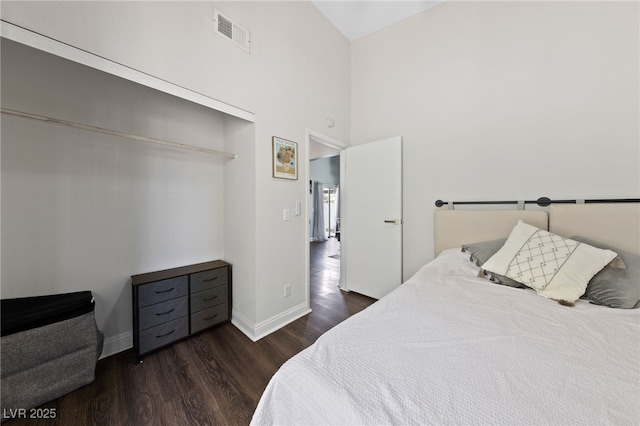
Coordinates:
[357,19]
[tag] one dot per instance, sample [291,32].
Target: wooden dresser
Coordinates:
[175,303]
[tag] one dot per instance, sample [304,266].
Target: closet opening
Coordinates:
[324,224]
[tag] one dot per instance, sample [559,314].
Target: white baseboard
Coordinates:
[257,331]
[114,344]
[243,324]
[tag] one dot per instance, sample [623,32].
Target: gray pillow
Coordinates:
[614,287]
[482,251]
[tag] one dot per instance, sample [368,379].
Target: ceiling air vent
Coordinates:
[231,31]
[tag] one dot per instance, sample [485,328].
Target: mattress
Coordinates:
[447,347]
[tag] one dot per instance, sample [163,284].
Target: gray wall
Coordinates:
[325,170]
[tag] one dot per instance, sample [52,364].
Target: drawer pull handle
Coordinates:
[165,335]
[210,279]
[210,298]
[165,291]
[165,313]
[210,318]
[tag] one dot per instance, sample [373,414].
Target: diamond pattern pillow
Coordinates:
[555,267]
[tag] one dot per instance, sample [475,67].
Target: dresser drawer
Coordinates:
[159,291]
[208,279]
[209,298]
[162,312]
[208,317]
[163,334]
[170,304]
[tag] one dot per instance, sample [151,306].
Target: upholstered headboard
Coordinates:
[452,228]
[614,224]
[617,225]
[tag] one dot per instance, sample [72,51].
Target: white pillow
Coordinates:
[557,268]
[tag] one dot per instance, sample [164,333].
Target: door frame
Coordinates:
[313,136]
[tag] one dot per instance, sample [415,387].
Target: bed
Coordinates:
[452,347]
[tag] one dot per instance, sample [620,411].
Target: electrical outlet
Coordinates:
[287,290]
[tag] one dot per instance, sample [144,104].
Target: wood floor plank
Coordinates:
[215,377]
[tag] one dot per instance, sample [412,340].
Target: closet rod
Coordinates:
[112,132]
[542,201]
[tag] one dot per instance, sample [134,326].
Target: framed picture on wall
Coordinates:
[285,155]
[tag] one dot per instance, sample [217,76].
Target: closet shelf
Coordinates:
[72,53]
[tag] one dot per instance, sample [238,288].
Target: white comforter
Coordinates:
[447,347]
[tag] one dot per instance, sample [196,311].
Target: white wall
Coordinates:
[239,217]
[503,100]
[298,73]
[85,211]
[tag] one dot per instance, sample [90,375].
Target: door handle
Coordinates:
[394,221]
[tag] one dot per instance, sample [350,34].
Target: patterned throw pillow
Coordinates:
[557,268]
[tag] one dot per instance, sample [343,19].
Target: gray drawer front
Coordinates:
[162,312]
[208,279]
[209,298]
[159,291]
[208,317]
[163,334]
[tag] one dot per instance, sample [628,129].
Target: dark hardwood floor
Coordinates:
[215,377]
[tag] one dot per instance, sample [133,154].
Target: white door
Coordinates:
[371,217]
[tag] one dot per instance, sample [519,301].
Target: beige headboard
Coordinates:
[452,228]
[617,225]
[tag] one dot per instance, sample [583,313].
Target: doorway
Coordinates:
[373,165]
[331,211]
[324,204]
[323,213]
